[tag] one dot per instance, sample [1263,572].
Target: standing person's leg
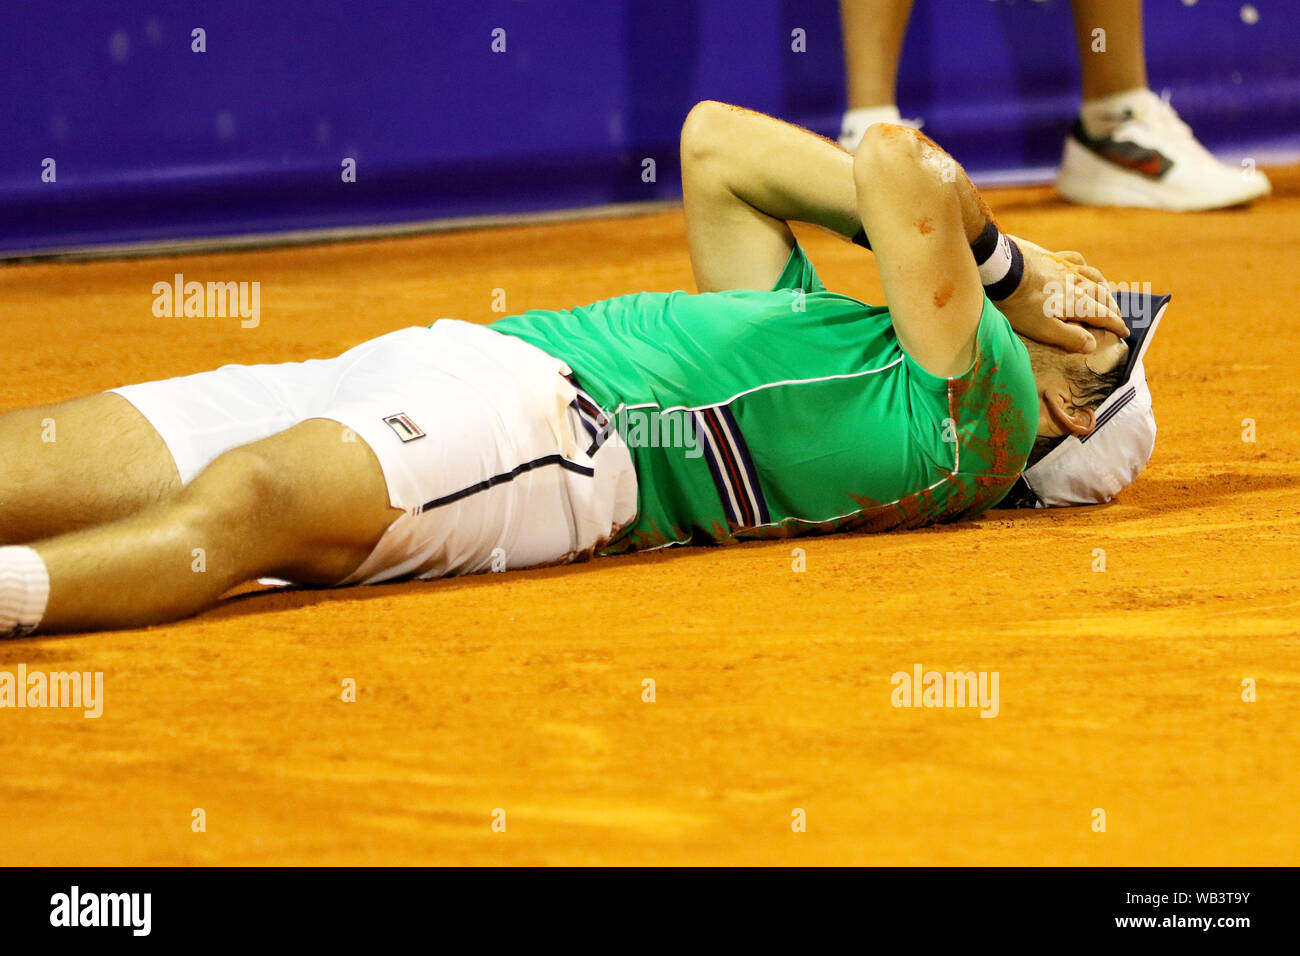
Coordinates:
[1129,147]
[308,504]
[1113,61]
[873,42]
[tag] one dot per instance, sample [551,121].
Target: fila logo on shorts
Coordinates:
[402,425]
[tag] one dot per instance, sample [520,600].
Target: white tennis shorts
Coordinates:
[497,459]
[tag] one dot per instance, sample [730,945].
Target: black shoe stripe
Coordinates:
[1138,159]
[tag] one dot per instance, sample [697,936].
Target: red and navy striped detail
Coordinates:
[731,466]
[593,419]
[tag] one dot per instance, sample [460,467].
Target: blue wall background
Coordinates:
[153,141]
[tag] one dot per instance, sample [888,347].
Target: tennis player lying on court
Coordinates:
[460,448]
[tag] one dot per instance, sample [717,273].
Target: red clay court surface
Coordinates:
[1119,690]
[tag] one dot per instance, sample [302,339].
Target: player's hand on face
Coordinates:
[1058,292]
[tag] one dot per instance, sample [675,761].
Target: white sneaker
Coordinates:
[1131,149]
[856,121]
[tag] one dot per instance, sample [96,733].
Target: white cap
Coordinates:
[1094,468]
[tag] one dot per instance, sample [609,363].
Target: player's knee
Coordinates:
[240,487]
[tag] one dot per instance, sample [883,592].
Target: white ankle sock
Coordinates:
[24,591]
[856,121]
[1102,115]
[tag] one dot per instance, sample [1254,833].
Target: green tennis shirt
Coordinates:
[754,414]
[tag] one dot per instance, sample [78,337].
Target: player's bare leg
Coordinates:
[873,32]
[307,504]
[77,464]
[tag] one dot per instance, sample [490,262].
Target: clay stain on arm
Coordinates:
[944,293]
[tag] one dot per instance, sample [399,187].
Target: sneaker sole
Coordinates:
[1087,179]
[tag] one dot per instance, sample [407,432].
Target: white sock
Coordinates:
[1102,115]
[856,121]
[24,591]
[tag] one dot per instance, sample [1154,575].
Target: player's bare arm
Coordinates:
[921,228]
[746,175]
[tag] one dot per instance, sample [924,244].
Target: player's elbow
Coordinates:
[704,133]
[886,147]
[893,156]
